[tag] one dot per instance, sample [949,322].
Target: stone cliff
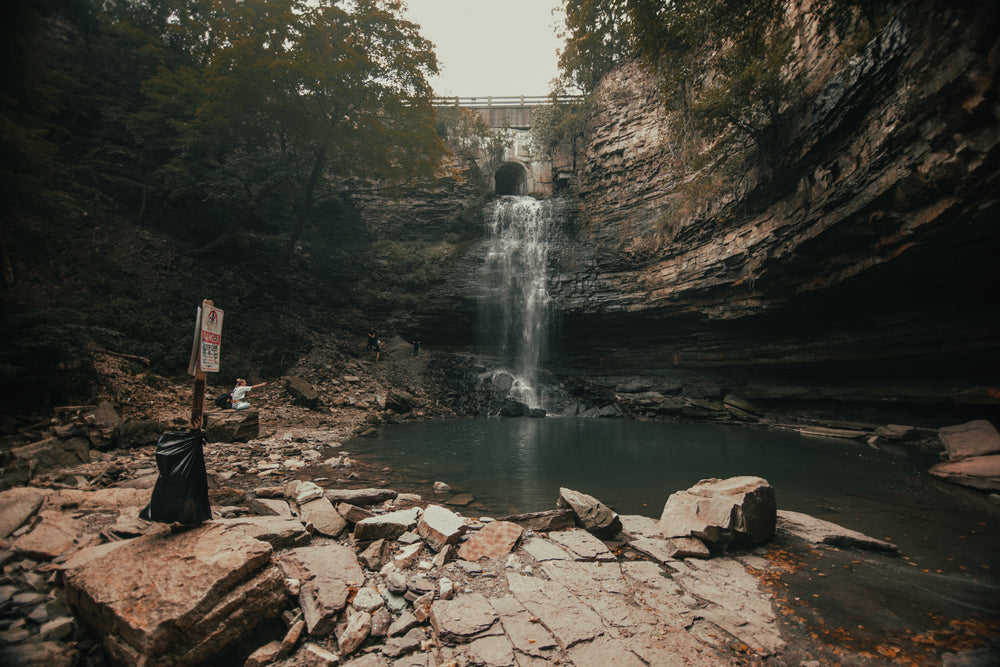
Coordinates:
[862,261]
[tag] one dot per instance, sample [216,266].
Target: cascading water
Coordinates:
[515,309]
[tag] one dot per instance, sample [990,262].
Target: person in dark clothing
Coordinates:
[372,339]
[416,346]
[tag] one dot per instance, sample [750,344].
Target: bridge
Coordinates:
[513,111]
[521,172]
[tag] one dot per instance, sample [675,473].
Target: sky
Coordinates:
[490,47]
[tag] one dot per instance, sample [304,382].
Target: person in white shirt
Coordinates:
[240,392]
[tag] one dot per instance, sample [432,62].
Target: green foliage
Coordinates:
[560,122]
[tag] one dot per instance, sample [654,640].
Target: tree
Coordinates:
[288,103]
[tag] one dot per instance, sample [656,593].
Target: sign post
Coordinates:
[204,356]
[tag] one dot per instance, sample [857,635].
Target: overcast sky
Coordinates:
[490,47]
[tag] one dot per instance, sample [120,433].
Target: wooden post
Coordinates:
[200,377]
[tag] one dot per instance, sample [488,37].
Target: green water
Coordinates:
[518,465]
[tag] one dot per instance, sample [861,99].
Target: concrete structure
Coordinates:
[523,170]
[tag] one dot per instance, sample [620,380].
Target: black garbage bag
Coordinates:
[181,491]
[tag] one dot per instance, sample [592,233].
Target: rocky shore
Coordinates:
[311,558]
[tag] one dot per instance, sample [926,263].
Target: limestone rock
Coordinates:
[324,518]
[28,461]
[362,497]
[55,534]
[314,655]
[592,515]
[400,402]
[975,438]
[358,627]
[582,544]
[738,509]
[175,597]
[543,521]
[440,526]
[138,433]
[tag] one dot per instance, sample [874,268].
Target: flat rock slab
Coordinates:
[495,540]
[55,534]
[460,620]
[818,531]
[323,516]
[386,526]
[17,505]
[527,636]
[543,550]
[175,597]
[544,521]
[978,472]
[975,438]
[563,613]
[582,545]
[361,497]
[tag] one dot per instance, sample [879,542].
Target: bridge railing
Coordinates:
[502,101]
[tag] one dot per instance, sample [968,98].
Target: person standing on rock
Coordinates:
[372,339]
[239,401]
[416,346]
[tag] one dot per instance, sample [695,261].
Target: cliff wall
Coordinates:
[863,259]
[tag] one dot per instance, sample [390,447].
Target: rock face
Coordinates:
[738,509]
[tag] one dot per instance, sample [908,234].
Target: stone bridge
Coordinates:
[523,170]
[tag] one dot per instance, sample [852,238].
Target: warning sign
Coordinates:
[207,339]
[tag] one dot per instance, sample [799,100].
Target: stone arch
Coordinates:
[510,178]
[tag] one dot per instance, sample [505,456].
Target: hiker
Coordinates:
[372,339]
[239,394]
[416,346]
[377,350]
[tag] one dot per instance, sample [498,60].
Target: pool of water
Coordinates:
[518,465]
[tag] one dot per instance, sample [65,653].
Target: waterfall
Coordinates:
[515,309]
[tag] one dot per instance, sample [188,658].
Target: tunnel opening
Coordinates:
[510,179]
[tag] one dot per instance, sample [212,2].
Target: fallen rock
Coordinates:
[323,517]
[362,497]
[29,461]
[978,472]
[56,533]
[738,509]
[592,515]
[181,597]
[327,574]
[302,392]
[440,526]
[386,526]
[139,433]
[400,402]
[818,531]
[543,521]
[975,438]
[460,620]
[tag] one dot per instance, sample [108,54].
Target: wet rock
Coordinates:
[180,597]
[975,438]
[327,574]
[818,531]
[543,521]
[895,432]
[738,509]
[17,505]
[978,472]
[386,526]
[493,541]
[591,514]
[400,402]
[362,497]
[440,526]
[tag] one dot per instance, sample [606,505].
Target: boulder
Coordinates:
[400,402]
[440,526]
[591,514]
[232,425]
[302,392]
[321,513]
[974,438]
[167,598]
[738,509]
